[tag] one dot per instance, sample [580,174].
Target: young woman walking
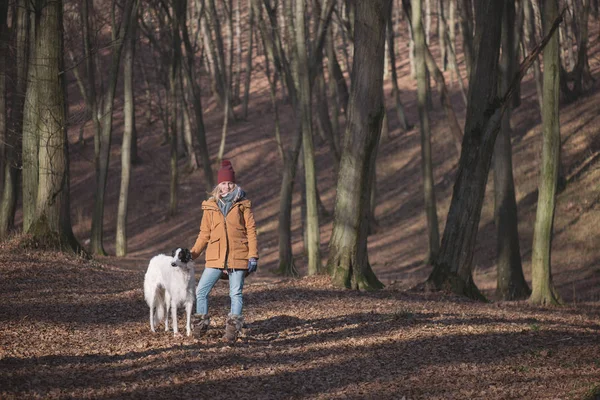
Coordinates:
[228,234]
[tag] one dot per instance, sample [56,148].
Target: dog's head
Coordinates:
[181,257]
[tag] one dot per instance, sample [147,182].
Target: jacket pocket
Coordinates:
[241,249]
[213,250]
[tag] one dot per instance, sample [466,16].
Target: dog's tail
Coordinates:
[155,298]
[159,303]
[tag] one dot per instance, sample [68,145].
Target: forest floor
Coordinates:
[79,329]
[73,328]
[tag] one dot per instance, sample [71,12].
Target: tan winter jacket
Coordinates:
[229,243]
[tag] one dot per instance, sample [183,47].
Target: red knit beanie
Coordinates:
[226,172]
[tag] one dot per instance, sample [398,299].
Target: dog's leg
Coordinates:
[152,328]
[174,318]
[188,311]
[167,308]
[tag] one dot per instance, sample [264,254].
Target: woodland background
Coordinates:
[75,326]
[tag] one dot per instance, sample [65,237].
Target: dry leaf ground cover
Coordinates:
[72,328]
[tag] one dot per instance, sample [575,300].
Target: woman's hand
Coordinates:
[252,265]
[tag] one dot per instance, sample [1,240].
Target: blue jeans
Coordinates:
[209,277]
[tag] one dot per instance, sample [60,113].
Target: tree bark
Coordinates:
[395,89]
[128,135]
[511,284]
[466,28]
[13,125]
[348,258]
[178,14]
[248,61]
[31,121]
[529,40]
[543,291]
[51,225]
[4,92]
[305,116]
[426,157]
[453,267]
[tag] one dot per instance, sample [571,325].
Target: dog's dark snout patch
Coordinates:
[173,265]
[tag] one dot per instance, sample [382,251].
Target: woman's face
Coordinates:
[225,187]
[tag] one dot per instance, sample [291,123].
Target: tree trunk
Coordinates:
[13,121]
[442,35]
[466,28]
[4,93]
[192,160]
[432,67]
[580,75]
[128,135]
[287,266]
[238,51]
[348,259]
[529,36]
[224,80]
[194,86]
[178,15]
[332,89]
[102,163]
[90,68]
[129,87]
[305,115]
[29,154]
[511,284]
[395,88]
[248,61]
[337,75]
[453,267]
[543,291]
[51,225]
[228,6]
[426,157]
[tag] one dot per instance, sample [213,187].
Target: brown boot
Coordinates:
[201,324]
[233,328]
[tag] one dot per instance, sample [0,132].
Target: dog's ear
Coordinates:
[187,255]
[173,252]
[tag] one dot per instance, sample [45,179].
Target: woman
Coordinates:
[228,234]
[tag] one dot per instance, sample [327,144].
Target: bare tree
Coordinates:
[304,98]
[426,157]
[404,124]
[453,267]
[579,77]
[432,68]
[51,225]
[466,28]
[529,36]
[30,141]
[102,160]
[195,95]
[511,284]
[13,121]
[543,291]
[348,258]
[274,49]
[3,90]
[128,137]
[249,53]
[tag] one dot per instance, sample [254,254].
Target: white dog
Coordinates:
[168,284]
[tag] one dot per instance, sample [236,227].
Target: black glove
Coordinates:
[252,265]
